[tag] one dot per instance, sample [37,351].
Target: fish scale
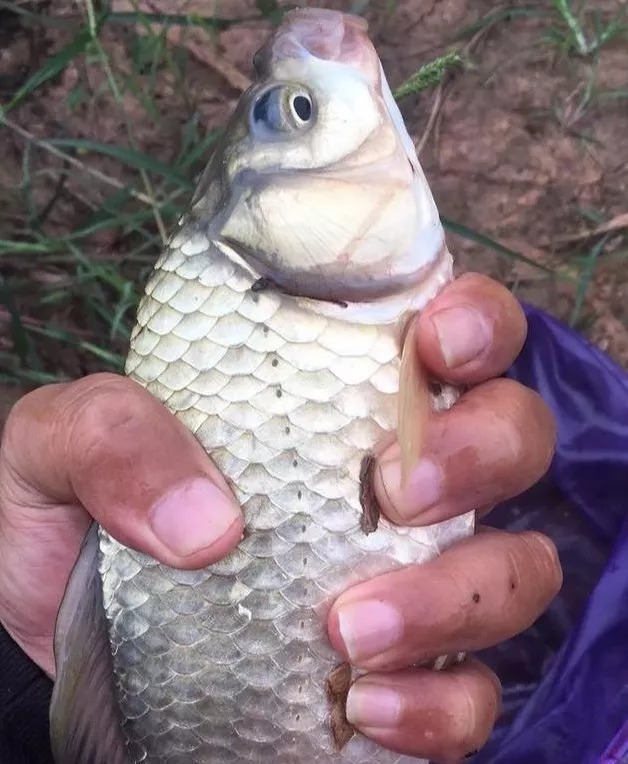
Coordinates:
[251,628]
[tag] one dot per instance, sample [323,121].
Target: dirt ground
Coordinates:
[523,144]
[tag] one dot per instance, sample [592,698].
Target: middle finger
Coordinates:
[493,444]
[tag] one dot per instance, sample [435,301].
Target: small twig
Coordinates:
[5,317]
[435,111]
[54,198]
[614,224]
[194,42]
[43,144]
[231,74]
[442,85]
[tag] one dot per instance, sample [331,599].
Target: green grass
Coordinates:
[572,36]
[67,302]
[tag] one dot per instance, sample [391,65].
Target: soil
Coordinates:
[510,145]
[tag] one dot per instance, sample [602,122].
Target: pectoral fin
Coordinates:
[85,725]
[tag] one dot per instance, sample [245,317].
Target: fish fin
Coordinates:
[414,405]
[85,725]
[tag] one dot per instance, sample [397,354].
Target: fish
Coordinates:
[275,326]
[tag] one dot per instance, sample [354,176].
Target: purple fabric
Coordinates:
[617,751]
[566,678]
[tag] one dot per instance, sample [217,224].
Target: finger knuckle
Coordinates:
[23,409]
[14,423]
[456,588]
[539,423]
[103,414]
[533,576]
[30,418]
[507,407]
[545,561]
[478,705]
[527,425]
[501,307]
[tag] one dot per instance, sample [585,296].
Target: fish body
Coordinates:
[272,327]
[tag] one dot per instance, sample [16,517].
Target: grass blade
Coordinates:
[479,238]
[8,247]
[588,269]
[53,66]
[21,344]
[26,376]
[115,360]
[216,23]
[125,155]
[507,14]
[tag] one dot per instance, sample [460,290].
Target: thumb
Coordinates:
[105,444]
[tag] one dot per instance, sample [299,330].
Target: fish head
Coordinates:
[316,186]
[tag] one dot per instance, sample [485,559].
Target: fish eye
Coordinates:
[302,107]
[282,109]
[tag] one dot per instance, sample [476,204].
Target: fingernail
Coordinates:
[368,628]
[370,705]
[423,489]
[462,333]
[193,516]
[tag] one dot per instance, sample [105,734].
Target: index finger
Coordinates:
[472,331]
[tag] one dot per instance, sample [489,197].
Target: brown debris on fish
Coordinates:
[271,328]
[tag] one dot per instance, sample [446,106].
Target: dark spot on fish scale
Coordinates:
[265,330]
[274,362]
[476,597]
[300,496]
[261,285]
[294,462]
[287,431]
[278,393]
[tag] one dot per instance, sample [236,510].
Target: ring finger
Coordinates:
[477,593]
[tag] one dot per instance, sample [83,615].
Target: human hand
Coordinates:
[102,447]
[497,441]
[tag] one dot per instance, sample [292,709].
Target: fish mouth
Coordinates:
[325,34]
